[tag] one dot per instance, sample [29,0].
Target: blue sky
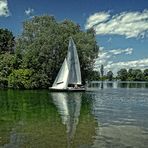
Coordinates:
[121,26]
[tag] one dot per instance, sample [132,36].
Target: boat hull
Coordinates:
[67,90]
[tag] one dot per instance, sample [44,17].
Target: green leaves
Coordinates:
[133,75]
[40,51]
[7,41]
[110,75]
[44,43]
[20,79]
[122,74]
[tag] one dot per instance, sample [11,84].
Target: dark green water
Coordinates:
[103,118]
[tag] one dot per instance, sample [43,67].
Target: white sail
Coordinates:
[70,71]
[74,64]
[61,81]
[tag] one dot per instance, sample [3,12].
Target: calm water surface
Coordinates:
[110,115]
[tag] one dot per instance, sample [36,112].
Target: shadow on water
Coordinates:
[42,119]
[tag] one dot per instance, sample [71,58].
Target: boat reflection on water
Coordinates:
[41,119]
[69,106]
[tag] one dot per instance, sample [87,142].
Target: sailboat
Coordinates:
[69,76]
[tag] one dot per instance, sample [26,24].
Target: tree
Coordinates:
[122,74]
[94,76]
[20,79]
[44,43]
[137,75]
[102,70]
[7,62]
[130,75]
[7,41]
[145,74]
[110,75]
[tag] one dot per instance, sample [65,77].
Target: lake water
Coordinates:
[109,115]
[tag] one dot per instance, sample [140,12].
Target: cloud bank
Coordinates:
[128,24]
[107,59]
[136,64]
[4,11]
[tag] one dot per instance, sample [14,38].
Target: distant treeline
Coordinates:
[122,74]
[132,75]
[33,59]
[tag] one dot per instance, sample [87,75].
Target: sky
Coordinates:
[121,26]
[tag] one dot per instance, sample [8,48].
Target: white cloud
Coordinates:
[4,11]
[29,11]
[106,57]
[97,18]
[128,24]
[137,64]
[119,51]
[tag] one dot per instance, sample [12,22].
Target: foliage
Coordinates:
[20,79]
[44,44]
[135,75]
[7,41]
[102,70]
[104,78]
[145,74]
[132,75]
[122,74]
[3,82]
[7,62]
[40,51]
[40,80]
[138,75]
[94,76]
[110,75]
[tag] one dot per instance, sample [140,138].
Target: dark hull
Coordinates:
[67,90]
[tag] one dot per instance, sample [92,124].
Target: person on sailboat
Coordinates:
[76,86]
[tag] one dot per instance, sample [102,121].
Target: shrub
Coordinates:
[20,79]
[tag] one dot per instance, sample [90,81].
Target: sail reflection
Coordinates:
[43,119]
[69,106]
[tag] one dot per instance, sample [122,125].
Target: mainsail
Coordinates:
[70,71]
[74,64]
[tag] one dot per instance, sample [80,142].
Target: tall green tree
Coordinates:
[102,70]
[138,75]
[44,43]
[7,62]
[122,74]
[7,41]
[110,75]
[145,73]
[130,75]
